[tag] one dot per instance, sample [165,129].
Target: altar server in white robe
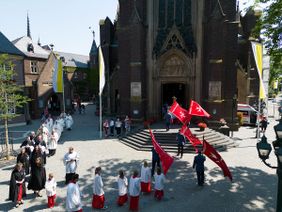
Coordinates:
[50,123]
[73,201]
[71,160]
[69,121]
[98,201]
[159,184]
[134,191]
[145,178]
[45,133]
[53,142]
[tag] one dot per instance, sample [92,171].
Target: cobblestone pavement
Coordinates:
[253,188]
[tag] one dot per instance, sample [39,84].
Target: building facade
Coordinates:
[167,48]
[17,58]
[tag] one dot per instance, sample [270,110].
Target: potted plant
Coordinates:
[202,126]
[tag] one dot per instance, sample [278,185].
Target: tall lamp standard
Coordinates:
[264,150]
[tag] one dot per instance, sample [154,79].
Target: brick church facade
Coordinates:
[158,49]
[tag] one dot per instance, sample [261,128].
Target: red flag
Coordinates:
[188,134]
[180,113]
[211,153]
[196,110]
[165,158]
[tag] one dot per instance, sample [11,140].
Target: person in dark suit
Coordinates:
[180,143]
[155,160]
[199,161]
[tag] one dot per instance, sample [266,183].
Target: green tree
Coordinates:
[10,95]
[270,26]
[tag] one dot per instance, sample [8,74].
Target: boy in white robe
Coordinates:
[134,191]
[98,200]
[73,201]
[71,160]
[49,123]
[50,187]
[145,178]
[122,189]
[69,122]
[159,184]
[45,134]
[53,142]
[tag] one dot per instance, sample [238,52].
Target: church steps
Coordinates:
[141,140]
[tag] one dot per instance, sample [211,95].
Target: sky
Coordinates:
[64,23]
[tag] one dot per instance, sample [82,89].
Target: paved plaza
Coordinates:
[254,185]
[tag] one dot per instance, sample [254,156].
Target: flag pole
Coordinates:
[100,105]
[64,106]
[258,132]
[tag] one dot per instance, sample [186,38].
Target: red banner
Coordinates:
[212,154]
[165,158]
[196,110]
[188,134]
[180,113]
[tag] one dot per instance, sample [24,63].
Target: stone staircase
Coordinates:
[141,140]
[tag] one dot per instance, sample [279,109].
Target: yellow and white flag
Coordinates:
[58,79]
[257,51]
[102,79]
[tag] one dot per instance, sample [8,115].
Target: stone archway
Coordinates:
[174,76]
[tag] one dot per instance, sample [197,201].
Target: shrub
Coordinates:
[202,125]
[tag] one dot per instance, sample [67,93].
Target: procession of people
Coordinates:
[32,159]
[147,179]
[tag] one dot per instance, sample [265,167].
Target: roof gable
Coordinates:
[8,47]
[23,44]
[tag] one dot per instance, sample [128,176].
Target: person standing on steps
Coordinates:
[180,143]
[167,118]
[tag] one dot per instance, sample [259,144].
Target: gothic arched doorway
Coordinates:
[53,103]
[170,90]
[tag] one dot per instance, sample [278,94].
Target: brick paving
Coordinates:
[253,189]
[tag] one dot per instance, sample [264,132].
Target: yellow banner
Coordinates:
[257,51]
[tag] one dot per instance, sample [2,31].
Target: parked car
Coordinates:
[249,114]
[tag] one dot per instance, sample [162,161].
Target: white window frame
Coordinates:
[33,67]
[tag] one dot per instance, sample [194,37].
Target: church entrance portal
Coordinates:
[173,89]
[54,105]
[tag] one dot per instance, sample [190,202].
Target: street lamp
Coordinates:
[264,150]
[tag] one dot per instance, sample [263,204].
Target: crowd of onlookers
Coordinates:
[117,127]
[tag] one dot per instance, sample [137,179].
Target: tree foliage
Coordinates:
[271,29]
[11,96]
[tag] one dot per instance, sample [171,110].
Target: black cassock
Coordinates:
[37,179]
[24,159]
[14,187]
[33,157]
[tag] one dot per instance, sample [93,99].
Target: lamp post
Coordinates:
[234,103]
[264,150]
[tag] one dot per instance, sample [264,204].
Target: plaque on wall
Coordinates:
[215,90]
[135,88]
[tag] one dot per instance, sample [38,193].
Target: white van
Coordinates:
[249,114]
